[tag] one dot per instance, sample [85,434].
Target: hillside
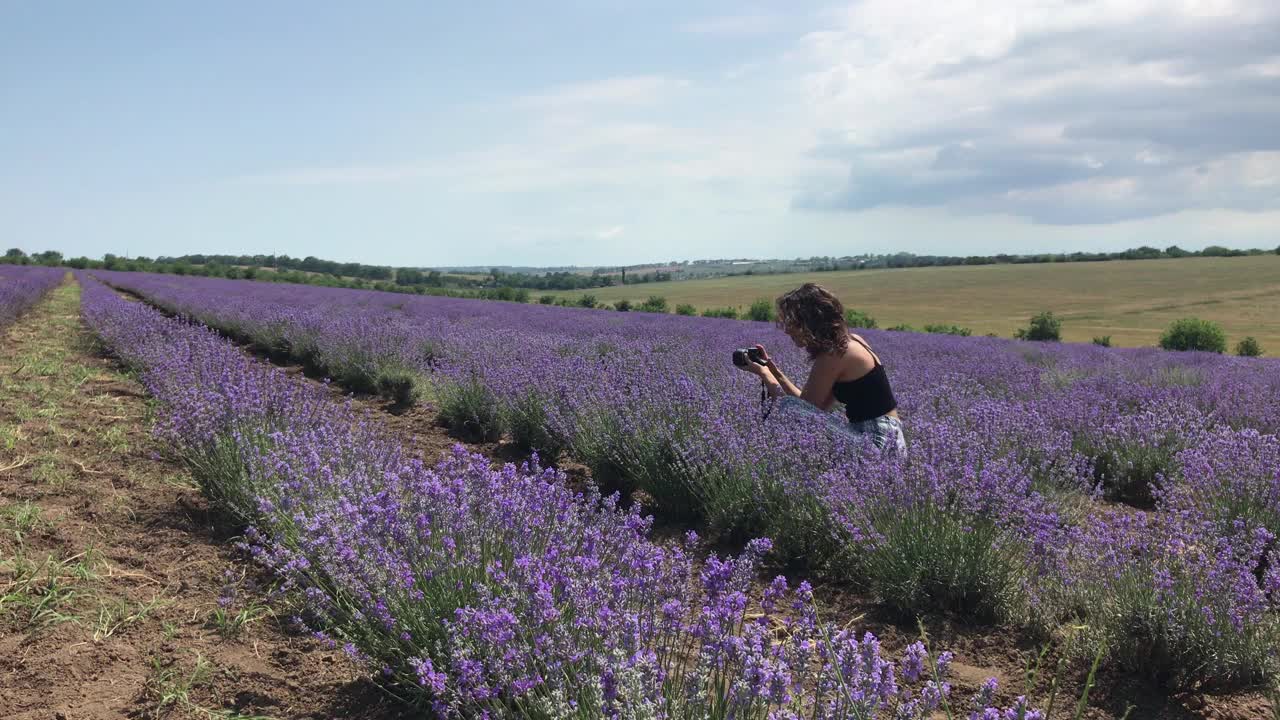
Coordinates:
[1132,301]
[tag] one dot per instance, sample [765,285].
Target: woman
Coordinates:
[844,367]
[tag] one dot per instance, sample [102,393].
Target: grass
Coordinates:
[170,687]
[115,613]
[1132,301]
[45,592]
[229,623]
[48,472]
[115,439]
[10,436]
[21,519]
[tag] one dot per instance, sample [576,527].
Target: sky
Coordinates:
[609,132]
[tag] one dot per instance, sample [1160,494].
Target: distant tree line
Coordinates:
[426,283]
[909,260]
[316,271]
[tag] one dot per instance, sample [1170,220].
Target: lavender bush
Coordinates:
[22,286]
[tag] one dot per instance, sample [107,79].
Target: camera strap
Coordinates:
[766,403]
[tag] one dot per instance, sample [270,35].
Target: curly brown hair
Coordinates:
[818,316]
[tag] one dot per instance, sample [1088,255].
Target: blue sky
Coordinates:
[619,131]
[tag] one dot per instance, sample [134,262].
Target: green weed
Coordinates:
[43,593]
[229,623]
[48,472]
[115,440]
[9,437]
[22,519]
[116,614]
[170,687]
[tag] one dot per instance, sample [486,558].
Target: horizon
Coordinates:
[623,133]
[31,252]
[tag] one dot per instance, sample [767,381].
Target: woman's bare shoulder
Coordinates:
[858,355]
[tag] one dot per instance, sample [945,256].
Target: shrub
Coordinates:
[649,459]
[859,319]
[470,409]
[902,327]
[1127,468]
[728,312]
[655,304]
[1248,347]
[1102,341]
[686,309]
[622,306]
[401,385]
[1194,334]
[948,330]
[526,419]
[1175,603]
[1043,328]
[587,301]
[761,310]
[547,300]
[980,573]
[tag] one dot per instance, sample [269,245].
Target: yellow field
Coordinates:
[1132,301]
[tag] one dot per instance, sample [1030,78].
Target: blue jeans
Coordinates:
[884,431]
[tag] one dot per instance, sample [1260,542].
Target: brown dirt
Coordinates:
[981,651]
[117,621]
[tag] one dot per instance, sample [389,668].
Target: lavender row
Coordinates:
[22,286]
[476,590]
[989,515]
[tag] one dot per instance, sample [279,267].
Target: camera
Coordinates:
[743,356]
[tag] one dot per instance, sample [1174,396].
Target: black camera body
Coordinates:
[743,356]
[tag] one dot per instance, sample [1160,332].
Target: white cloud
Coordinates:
[1063,111]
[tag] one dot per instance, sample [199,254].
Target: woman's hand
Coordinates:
[754,368]
[764,354]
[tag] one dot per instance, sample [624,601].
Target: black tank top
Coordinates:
[866,397]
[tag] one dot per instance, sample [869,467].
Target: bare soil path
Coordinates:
[112,569]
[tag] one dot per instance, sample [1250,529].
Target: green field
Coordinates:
[1130,300]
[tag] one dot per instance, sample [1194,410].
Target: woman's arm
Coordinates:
[767,379]
[784,382]
[817,390]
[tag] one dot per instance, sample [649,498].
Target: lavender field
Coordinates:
[1135,493]
[491,592]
